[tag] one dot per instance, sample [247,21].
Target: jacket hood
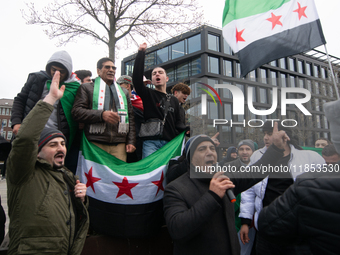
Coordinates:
[61,57]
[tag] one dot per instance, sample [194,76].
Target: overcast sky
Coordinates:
[25,48]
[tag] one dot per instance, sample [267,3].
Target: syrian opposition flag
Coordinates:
[264,30]
[125,198]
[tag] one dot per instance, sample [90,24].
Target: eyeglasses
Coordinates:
[109,67]
[62,71]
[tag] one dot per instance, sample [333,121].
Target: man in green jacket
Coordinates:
[46,203]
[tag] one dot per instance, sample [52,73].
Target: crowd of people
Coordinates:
[289,210]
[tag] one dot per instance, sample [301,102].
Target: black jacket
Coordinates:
[198,220]
[308,209]
[28,97]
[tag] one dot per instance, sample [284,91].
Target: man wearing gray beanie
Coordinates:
[46,203]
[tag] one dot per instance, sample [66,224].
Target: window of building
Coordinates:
[263,73]
[226,92]
[196,66]
[177,50]
[213,111]
[7,111]
[323,73]
[291,64]
[4,122]
[300,66]
[317,121]
[238,70]
[263,96]
[213,42]
[129,67]
[251,115]
[316,71]
[3,111]
[252,75]
[3,134]
[171,74]
[316,104]
[182,71]
[316,88]
[301,83]
[9,135]
[150,60]
[213,65]
[227,68]
[227,112]
[227,49]
[283,63]
[273,78]
[253,89]
[194,43]
[273,63]
[283,80]
[292,81]
[330,91]
[162,55]
[309,85]
[309,69]
[226,134]
[9,123]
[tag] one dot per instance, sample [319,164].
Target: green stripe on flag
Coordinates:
[238,9]
[159,158]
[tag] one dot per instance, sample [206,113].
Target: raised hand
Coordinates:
[279,138]
[55,92]
[142,47]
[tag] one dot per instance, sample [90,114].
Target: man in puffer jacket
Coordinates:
[46,203]
[37,87]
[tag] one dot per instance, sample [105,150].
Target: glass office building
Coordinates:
[202,56]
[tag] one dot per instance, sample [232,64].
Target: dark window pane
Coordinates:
[171,74]
[226,92]
[263,96]
[196,66]
[150,60]
[182,72]
[227,49]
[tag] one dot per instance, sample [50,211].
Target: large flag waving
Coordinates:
[125,198]
[264,30]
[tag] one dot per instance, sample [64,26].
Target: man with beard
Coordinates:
[45,200]
[199,216]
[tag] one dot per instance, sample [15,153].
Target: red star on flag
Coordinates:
[275,20]
[125,187]
[91,180]
[159,183]
[301,11]
[239,36]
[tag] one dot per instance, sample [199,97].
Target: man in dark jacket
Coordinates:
[105,109]
[309,208]
[45,200]
[199,216]
[37,87]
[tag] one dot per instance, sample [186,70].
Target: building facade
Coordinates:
[5,118]
[202,57]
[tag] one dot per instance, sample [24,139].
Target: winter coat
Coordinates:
[82,112]
[251,200]
[45,216]
[308,209]
[198,220]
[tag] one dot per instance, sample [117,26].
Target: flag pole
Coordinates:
[332,73]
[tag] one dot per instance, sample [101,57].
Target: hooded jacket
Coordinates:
[45,216]
[35,89]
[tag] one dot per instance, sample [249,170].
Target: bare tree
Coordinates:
[109,21]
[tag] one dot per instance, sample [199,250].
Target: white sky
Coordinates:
[25,48]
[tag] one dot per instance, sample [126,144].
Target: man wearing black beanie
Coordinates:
[199,215]
[46,203]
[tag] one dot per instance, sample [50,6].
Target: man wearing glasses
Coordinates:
[106,110]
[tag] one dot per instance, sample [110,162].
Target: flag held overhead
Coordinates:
[264,30]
